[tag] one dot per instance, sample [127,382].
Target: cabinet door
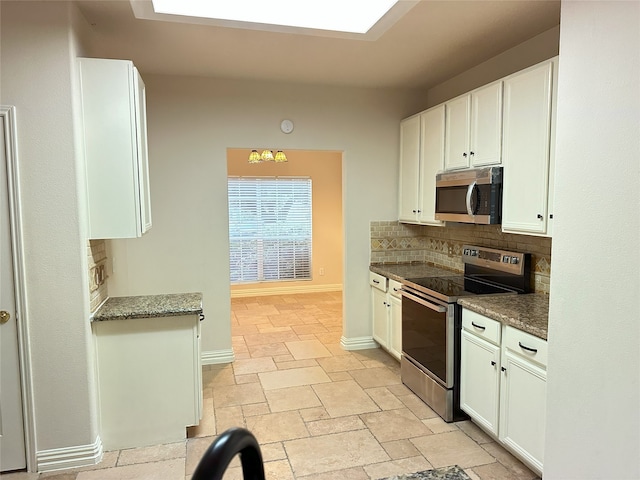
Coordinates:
[409,169]
[525,150]
[431,162]
[480,380]
[523,408]
[458,117]
[395,326]
[143,156]
[380,317]
[486,125]
[115,148]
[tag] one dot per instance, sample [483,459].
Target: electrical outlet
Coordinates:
[321,271]
[451,250]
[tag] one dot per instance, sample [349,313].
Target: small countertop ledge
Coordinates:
[527,312]
[400,271]
[149,306]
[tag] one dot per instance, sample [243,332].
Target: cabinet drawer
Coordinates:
[378,281]
[481,326]
[394,288]
[526,345]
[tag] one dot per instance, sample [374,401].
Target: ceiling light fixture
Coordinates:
[267,156]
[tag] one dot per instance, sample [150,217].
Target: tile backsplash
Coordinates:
[395,242]
[97,262]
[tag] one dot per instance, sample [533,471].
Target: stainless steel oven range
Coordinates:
[431,322]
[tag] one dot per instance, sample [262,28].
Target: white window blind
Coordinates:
[269,228]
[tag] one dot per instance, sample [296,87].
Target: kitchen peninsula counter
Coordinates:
[527,312]
[149,369]
[149,306]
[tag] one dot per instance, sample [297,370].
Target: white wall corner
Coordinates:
[69,457]
[217,356]
[358,343]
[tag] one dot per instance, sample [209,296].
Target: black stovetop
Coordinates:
[450,288]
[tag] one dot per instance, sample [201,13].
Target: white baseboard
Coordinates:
[358,343]
[69,457]
[217,356]
[284,290]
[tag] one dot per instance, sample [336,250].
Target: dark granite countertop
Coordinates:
[400,271]
[529,312]
[147,306]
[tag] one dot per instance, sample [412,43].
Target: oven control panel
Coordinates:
[502,260]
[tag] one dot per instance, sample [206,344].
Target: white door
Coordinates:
[486,125]
[380,317]
[525,149]
[409,168]
[12,448]
[456,140]
[432,162]
[479,380]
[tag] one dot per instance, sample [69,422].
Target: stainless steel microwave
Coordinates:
[470,196]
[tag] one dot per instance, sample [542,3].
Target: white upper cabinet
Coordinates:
[458,118]
[421,157]
[486,126]
[431,162]
[527,150]
[474,128]
[113,107]
[409,168]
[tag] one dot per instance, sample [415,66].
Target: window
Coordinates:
[269,228]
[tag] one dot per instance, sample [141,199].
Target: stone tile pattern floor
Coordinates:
[319,412]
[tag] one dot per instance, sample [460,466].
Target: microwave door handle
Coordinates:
[421,301]
[469,194]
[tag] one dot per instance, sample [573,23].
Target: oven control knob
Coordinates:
[514,260]
[474,253]
[506,259]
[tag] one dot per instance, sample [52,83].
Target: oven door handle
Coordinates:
[422,301]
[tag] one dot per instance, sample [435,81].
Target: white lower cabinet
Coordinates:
[149,379]
[480,380]
[503,385]
[386,307]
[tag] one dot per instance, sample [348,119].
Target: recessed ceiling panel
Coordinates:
[356,19]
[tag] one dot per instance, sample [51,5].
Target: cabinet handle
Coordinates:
[493,364]
[414,211]
[540,216]
[376,281]
[202,317]
[478,326]
[503,369]
[395,289]
[471,153]
[464,154]
[528,349]
[551,216]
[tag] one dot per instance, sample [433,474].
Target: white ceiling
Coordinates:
[433,42]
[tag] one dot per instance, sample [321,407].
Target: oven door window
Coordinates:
[424,339]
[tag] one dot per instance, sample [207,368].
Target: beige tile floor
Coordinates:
[318,412]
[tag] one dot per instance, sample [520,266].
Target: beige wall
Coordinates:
[40,41]
[192,122]
[539,48]
[325,171]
